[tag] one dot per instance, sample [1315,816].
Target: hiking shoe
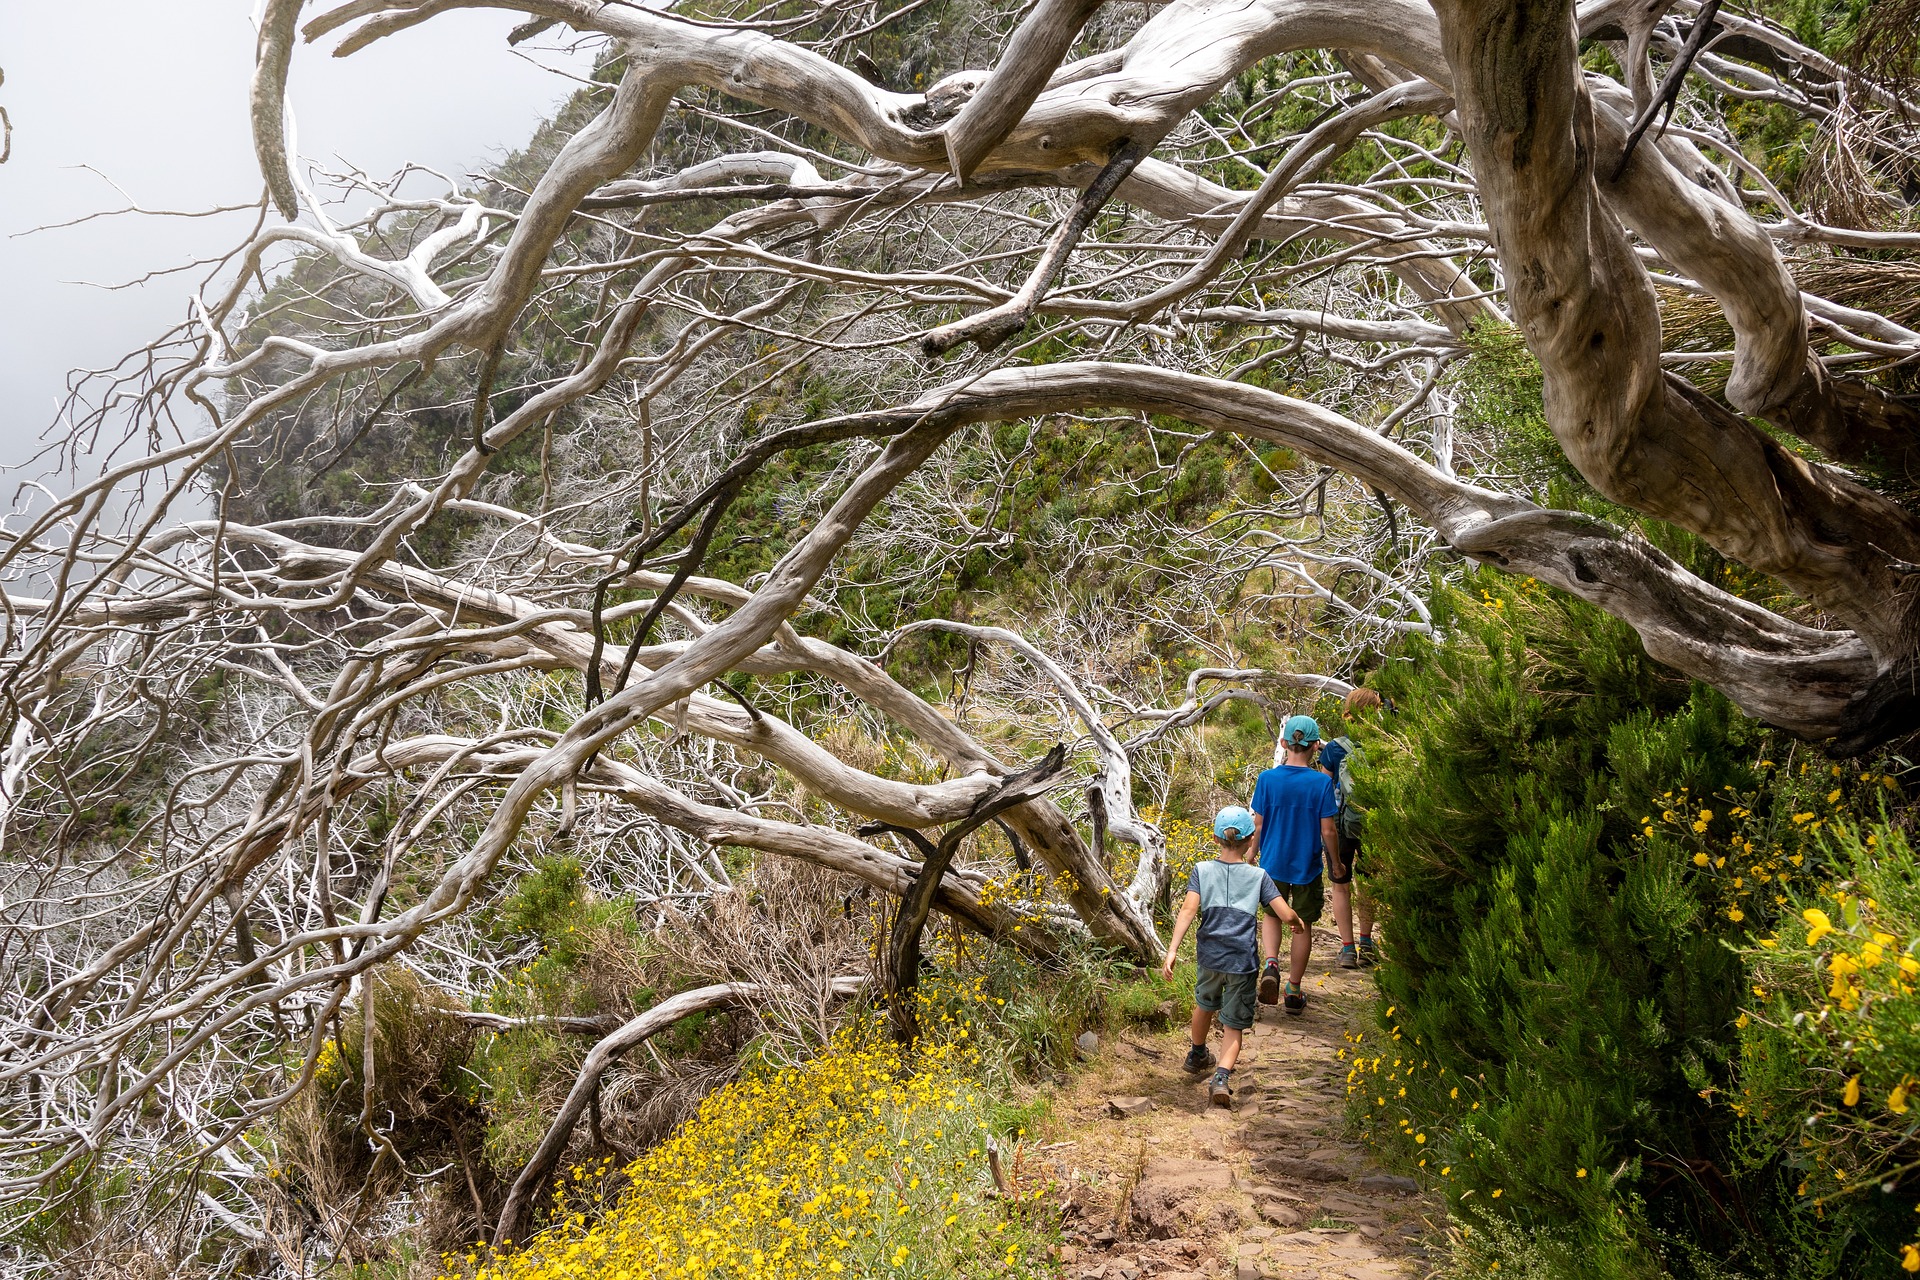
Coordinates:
[1270,983]
[1296,1000]
[1369,953]
[1349,957]
[1199,1058]
[1220,1092]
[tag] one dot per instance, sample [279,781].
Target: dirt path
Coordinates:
[1273,1187]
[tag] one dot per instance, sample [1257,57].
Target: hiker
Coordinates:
[1293,812]
[1342,759]
[1226,894]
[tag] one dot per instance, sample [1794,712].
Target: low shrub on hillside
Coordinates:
[1576,851]
[1830,1059]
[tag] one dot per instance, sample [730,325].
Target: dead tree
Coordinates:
[240,719]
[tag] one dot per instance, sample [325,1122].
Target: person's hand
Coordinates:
[1166,968]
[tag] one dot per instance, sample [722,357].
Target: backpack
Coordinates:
[1346,764]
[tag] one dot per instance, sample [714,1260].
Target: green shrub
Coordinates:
[1559,992]
[1830,1055]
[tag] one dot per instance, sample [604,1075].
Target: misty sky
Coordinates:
[153,95]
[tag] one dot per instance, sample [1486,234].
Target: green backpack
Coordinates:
[1348,760]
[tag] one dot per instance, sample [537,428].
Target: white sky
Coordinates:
[153,95]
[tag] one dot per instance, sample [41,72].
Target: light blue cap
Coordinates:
[1233,823]
[1300,730]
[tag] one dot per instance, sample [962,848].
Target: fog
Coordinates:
[118,102]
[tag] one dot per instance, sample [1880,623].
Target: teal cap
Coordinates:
[1300,730]
[1233,823]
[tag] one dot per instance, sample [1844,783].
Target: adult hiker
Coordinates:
[1293,812]
[1343,759]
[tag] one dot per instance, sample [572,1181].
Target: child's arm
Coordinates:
[1188,910]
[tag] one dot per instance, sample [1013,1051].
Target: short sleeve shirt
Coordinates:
[1290,800]
[1230,898]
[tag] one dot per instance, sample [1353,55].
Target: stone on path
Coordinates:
[1121,1108]
[1390,1182]
[1303,1169]
[1173,1194]
[1088,1042]
[1278,1212]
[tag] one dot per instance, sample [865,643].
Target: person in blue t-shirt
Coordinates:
[1294,805]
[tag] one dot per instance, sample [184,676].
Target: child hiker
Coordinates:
[1226,895]
[1294,805]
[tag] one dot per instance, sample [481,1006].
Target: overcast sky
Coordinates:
[152,94]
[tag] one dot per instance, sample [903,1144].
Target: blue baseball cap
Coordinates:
[1300,730]
[1233,823]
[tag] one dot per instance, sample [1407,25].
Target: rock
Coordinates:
[1121,1108]
[1247,1271]
[1279,1213]
[1258,1233]
[1303,1169]
[1165,1198]
[1265,1191]
[1068,1255]
[1389,1182]
[1088,1042]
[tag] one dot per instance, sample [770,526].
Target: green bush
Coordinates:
[1560,992]
[1830,1055]
[1649,1007]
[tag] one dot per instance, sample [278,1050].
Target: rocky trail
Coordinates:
[1162,1185]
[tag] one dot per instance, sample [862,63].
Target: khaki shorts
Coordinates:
[1230,994]
[1309,901]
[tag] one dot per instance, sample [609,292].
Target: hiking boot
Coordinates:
[1270,983]
[1349,957]
[1369,953]
[1296,1000]
[1199,1058]
[1220,1092]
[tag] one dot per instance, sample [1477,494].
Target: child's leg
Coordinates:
[1363,911]
[1202,1023]
[1229,1047]
[1269,934]
[1342,894]
[1302,949]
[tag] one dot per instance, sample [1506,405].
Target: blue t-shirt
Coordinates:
[1290,800]
[1230,898]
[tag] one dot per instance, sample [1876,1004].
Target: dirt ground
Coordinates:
[1272,1187]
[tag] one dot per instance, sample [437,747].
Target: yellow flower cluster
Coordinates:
[1188,843]
[860,1162]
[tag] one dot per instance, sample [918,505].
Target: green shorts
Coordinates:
[1308,901]
[1230,994]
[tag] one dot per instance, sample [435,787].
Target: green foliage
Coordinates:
[1500,385]
[1583,859]
[1830,1055]
[1559,986]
